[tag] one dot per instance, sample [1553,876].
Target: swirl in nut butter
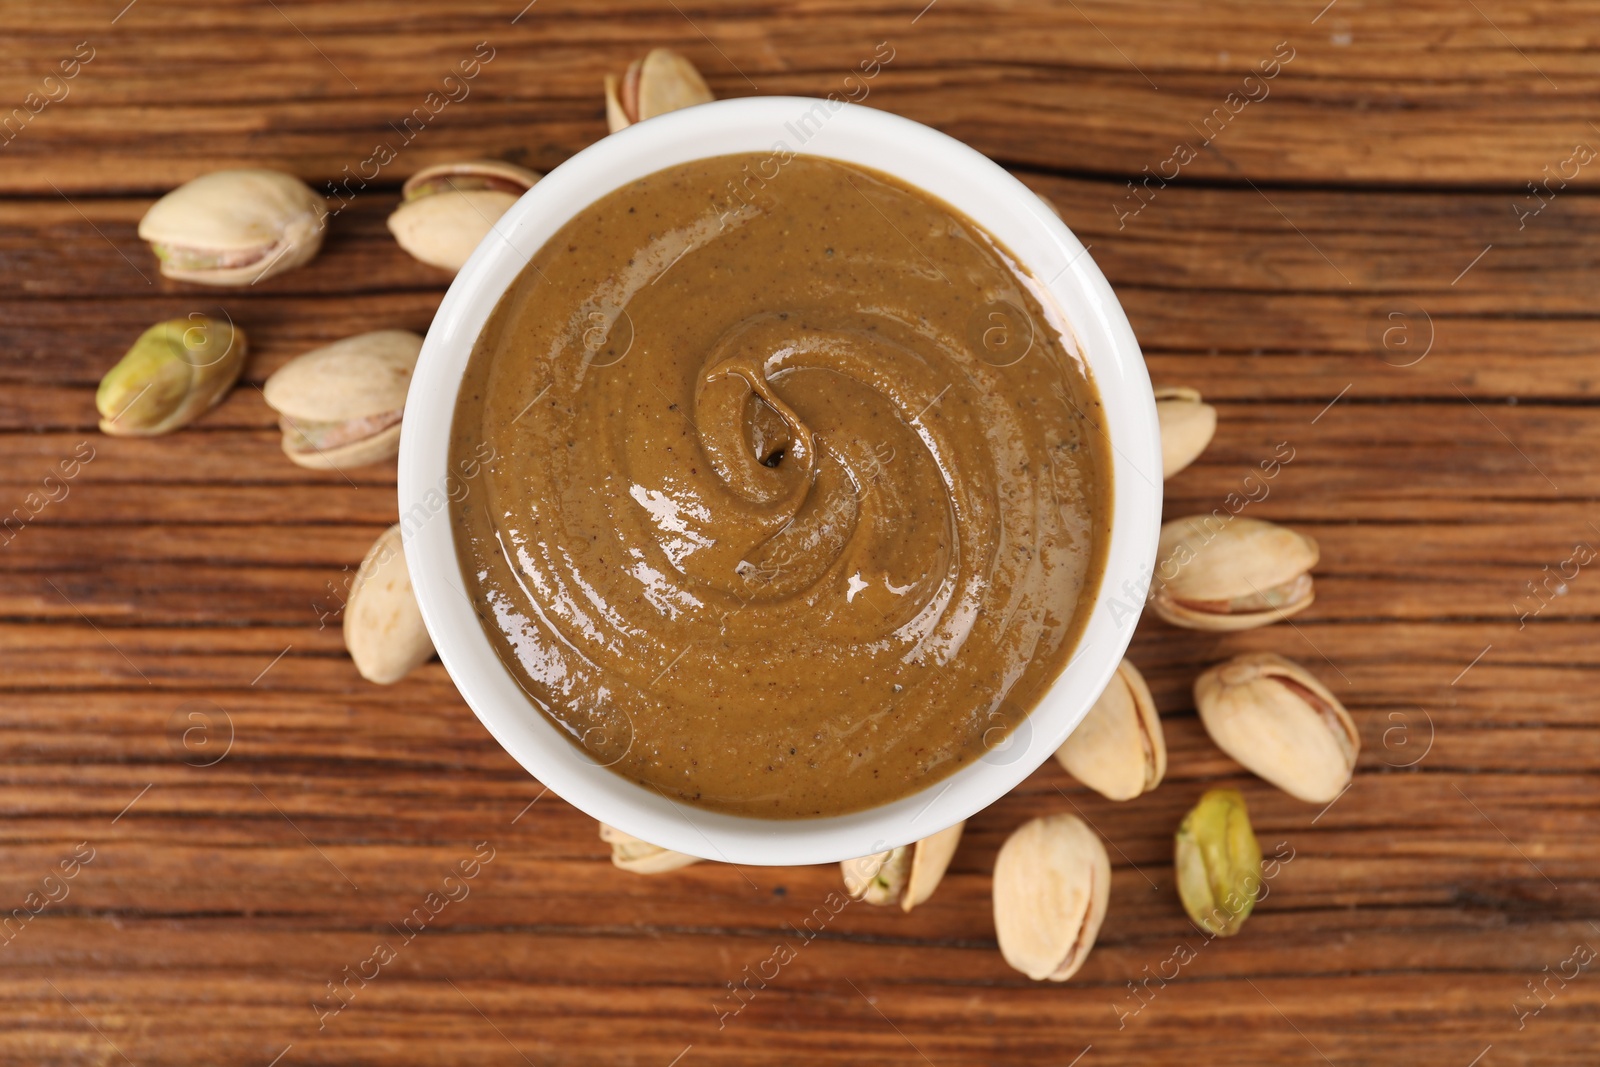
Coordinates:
[801,494]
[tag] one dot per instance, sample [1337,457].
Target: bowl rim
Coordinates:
[1076,295]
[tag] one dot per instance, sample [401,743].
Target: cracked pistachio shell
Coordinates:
[641,857]
[1118,750]
[340,405]
[175,371]
[1187,425]
[907,875]
[235,227]
[1231,573]
[1052,881]
[383,627]
[1218,862]
[662,81]
[1276,719]
[450,208]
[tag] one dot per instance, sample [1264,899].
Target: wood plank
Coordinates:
[1104,87]
[1360,214]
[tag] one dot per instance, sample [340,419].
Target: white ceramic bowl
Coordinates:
[921,157]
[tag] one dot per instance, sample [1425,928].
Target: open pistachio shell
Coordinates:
[1052,881]
[340,405]
[1224,572]
[235,227]
[907,875]
[450,208]
[1118,750]
[175,371]
[1218,862]
[1187,425]
[662,81]
[1274,717]
[878,878]
[383,628]
[641,857]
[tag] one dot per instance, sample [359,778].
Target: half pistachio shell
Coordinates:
[235,227]
[339,406]
[1052,881]
[450,208]
[1275,718]
[383,628]
[907,875]
[1187,425]
[641,857]
[1218,862]
[1118,750]
[175,371]
[662,81]
[1224,572]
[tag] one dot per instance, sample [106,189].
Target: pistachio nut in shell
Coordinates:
[1052,881]
[662,81]
[383,627]
[1218,862]
[339,406]
[1187,426]
[235,227]
[1225,572]
[907,875]
[630,853]
[1276,719]
[175,371]
[1118,750]
[448,209]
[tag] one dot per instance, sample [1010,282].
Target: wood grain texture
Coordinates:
[1347,268]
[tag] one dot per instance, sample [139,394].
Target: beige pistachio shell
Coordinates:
[1275,718]
[340,405]
[235,227]
[1221,572]
[451,207]
[641,857]
[175,372]
[470,174]
[907,875]
[1218,862]
[879,878]
[662,81]
[929,860]
[383,627]
[1052,881]
[1118,750]
[1187,426]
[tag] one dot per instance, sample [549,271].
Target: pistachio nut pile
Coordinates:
[338,406]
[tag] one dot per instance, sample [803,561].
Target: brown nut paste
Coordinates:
[799,500]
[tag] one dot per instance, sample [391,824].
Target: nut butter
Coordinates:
[801,496]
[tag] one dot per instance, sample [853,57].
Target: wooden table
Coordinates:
[1348,266]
